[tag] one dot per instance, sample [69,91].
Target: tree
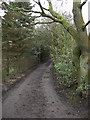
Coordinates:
[41,42]
[16,33]
[62,50]
[79,34]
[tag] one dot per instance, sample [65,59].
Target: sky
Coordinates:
[59,7]
[67,6]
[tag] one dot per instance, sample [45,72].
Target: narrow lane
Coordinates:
[36,98]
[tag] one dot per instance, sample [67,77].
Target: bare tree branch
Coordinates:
[36,16]
[83,4]
[41,14]
[51,17]
[42,23]
[24,10]
[53,13]
[55,17]
[45,9]
[41,7]
[86,25]
[35,1]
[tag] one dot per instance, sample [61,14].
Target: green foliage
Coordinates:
[83,89]
[17,35]
[42,42]
[23,45]
[63,45]
[63,49]
[66,71]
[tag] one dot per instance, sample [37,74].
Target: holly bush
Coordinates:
[66,72]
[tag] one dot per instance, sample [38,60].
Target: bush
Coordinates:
[83,89]
[66,72]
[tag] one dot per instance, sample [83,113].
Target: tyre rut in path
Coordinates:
[36,97]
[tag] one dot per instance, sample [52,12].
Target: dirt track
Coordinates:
[36,97]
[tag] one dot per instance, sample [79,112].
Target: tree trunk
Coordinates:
[81,50]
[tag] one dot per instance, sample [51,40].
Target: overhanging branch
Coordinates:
[35,1]
[54,16]
[83,4]
[86,25]
[36,16]
[53,13]
[42,23]
[24,10]
[42,6]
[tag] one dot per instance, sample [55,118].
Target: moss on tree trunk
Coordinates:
[81,51]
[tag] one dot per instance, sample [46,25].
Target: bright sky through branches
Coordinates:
[60,7]
[66,6]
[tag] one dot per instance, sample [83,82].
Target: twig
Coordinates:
[83,4]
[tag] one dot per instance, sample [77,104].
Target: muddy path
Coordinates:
[36,97]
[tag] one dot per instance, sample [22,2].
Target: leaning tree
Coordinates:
[78,32]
